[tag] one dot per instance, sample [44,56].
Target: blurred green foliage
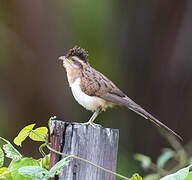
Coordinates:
[126,165]
[170,165]
[144,47]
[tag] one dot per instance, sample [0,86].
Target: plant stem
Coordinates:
[41,150]
[79,158]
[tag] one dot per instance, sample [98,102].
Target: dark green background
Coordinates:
[145,47]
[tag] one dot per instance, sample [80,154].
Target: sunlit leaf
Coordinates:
[145,160]
[16,165]
[10,151]
[164,157]
[5,174]
[179,175]
[34,172]
[2,170]
[58,167]
[1,157]
[39,134]
[23,134]
[136,177]
[189,177]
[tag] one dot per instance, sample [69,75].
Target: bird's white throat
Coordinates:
[89,102]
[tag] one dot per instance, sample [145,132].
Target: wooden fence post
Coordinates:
[96,144]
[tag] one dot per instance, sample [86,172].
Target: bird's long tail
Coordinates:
[126,101]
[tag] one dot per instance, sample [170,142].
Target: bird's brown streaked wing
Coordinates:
[94,83]
[126,101]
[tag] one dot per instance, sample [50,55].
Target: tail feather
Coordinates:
[126,101]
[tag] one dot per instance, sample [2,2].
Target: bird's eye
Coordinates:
[73,59]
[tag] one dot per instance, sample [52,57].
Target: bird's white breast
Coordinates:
[89,102]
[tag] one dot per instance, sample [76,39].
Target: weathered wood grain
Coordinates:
[96,144]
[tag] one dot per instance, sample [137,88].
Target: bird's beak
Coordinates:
[62,58]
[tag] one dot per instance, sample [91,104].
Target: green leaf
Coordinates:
[136,177]
[164,157]
[10,151]
[45,162]
[1,157]
[189,177]
[23,134]
[58,167]
[2,170]
[5,174]
[39,134]
[151,176]
[37,172]
[16,165]
[34,172]
[145,160]
[179,175]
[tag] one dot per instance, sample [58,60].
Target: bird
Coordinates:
[95,92]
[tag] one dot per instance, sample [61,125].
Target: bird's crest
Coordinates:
[79,52]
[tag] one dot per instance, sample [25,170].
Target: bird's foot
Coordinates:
[91,124]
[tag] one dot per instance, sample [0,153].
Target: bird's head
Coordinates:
[75,58]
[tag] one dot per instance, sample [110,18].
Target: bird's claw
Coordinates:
[91,124]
